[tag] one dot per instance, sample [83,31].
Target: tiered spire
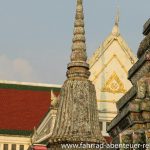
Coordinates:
[79,32]
[77,116]
[78,66]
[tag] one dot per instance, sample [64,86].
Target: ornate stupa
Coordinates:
[77,118]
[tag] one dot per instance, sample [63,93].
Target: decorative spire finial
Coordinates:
[78,68]
[117,17]
[115,30]
[79,45]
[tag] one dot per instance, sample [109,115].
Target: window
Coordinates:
[101,125]
[5,146]
[13,147]
[21,147]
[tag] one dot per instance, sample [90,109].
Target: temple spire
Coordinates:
[77,117]
[78,66]
[115,30]
[79,33]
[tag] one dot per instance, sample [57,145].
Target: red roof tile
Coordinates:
[22,109]
[108,139]
[39,147]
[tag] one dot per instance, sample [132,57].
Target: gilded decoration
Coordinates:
[106,65]
[114,85]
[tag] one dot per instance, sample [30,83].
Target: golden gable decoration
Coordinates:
[114,85]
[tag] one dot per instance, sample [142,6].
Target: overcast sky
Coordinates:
[35,35]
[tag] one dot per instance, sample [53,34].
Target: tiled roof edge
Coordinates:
[42,119]
[30,83]
[28,87]
[16,132]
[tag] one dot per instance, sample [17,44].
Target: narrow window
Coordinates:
[21,147]
[101,125]
[5,146]
[13,147]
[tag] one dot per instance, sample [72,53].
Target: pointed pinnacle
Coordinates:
[115,30]
[79,45]
[78,68]
[117,17]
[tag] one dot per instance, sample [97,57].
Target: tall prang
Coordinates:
[77,117]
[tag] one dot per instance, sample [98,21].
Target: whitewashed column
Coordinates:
[17,147]
[9,146]
[1,146]
[104,127]
[26,147]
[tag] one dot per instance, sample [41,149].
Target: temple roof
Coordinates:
[114,35]
[23,106]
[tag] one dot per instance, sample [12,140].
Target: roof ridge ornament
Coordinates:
[115,30]
[54,100]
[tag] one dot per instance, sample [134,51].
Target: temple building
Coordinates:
[132,123]
[109,67]
[28,110]
[23,106]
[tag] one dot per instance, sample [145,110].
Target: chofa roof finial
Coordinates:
[115,30]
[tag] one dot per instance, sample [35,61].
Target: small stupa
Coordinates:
[77,117]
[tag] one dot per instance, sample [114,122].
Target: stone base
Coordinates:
[77,116]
